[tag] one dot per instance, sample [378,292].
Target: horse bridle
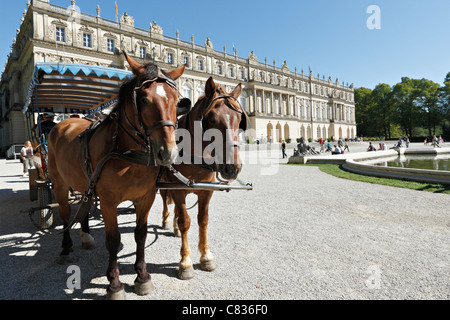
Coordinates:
[144,136]
[229,105]
[214,167]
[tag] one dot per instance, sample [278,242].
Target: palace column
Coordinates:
[272,103]
[263,102]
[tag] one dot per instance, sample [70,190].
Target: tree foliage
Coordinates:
[409,105]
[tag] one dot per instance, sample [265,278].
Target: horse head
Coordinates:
[153,108]
[224,113]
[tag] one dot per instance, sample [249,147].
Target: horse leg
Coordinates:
[165,214]
[176,229]
[61,192]
[115,290]
[143,284]
[87,241]
[185,267]
[207,259]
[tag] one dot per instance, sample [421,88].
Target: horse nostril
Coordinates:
[229,169]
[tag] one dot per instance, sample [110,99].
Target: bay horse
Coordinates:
[220,111]
[141,125]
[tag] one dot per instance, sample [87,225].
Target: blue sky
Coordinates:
[328,36]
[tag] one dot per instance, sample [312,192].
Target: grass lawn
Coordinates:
[337,171]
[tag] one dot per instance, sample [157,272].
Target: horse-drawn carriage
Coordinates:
[128,154]
[59,91]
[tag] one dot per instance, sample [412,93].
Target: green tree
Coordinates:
[363,106]
[445,105]
[383,109]
[445,98]
[407,112]
[428,100]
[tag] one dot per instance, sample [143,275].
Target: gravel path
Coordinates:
[300,234]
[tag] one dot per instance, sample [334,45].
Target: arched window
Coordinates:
[170,58]
[187,91]
[200,65]
[200,91]
[242,102]
[186,61]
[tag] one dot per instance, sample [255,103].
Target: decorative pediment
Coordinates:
[85,29]
[59,23]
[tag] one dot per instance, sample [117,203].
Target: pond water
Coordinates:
[441,162]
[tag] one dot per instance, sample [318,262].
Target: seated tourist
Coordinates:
[371,148]
[336,150]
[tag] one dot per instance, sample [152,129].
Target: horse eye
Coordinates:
[143,100]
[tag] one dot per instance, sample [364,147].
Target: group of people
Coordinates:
[340,148]
[435,141]
[382,147]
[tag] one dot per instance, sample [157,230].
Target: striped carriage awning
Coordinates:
[74,88]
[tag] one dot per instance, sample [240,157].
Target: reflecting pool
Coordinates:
[440,162]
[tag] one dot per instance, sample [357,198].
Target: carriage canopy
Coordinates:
[74,88]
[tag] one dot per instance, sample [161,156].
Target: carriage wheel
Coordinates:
[44,199]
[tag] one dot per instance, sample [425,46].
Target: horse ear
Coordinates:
[136,67]
[175,74]
[236,91]
[210,88]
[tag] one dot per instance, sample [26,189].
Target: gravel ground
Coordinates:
[300,234]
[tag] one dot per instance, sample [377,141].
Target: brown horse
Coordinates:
[143,123]
[219,111]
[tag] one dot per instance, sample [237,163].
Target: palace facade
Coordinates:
[280,102]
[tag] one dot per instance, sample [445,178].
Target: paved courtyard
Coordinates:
[300,234]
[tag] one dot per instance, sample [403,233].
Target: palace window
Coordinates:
[219,69]
[242,74]
[170,58]
[200,91]
[87,40]
[142,52]
[60,34]
[186,91]
[110,45]
[186,61]
[200,65]
[231,72]
[242,102]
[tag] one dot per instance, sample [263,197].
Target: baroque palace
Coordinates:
[281,103]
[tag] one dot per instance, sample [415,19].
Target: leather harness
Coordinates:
[141,136]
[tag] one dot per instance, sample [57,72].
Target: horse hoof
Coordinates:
[143,289]
[116,295]
[208,265]
[166,225]
[185,274]
[88,241]
[177,233]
